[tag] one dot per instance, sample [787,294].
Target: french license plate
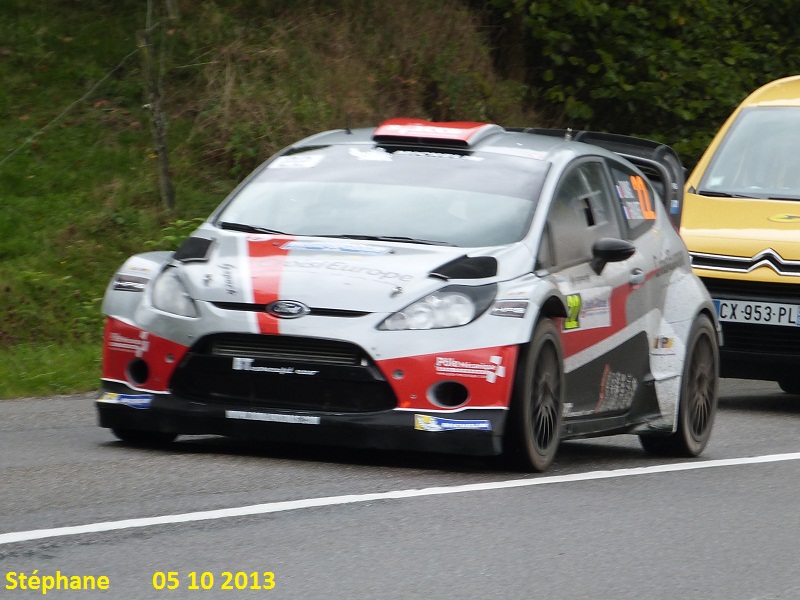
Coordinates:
[765,313]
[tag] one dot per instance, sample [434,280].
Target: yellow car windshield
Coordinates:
[759,157]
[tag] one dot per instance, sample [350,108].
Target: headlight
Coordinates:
[171,295]
[452,306]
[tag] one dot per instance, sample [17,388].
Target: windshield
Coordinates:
[759,157]
[427,197]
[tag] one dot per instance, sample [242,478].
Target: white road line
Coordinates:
[275,507]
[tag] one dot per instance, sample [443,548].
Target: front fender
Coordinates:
[126,289]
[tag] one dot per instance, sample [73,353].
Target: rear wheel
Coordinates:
[533,429]
[698,400]
[138,437]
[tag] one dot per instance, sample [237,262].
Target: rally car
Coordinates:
[742,209]
[448,287]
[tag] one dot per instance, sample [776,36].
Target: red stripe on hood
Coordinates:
[266,266]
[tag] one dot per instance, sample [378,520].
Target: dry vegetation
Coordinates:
[289,74]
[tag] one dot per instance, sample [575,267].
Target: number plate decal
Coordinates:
[764,313]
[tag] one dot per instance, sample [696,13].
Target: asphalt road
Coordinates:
[606,522]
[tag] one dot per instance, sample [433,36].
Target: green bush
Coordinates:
[671,71]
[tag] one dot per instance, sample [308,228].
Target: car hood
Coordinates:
[741,226]
[327,273]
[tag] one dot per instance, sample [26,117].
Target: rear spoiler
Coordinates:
[659,162]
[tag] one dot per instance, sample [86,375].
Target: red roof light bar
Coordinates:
[450,133]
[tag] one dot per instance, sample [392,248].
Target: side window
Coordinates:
[636,197]
[582,211]
[544,257]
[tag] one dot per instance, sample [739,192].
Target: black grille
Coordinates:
[758,291]
[761,339]
[284,348]
[282,372]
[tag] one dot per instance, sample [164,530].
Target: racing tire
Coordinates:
[537,403]
[698,399]
[790,385]
[137,437]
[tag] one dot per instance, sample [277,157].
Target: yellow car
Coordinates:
[741,223]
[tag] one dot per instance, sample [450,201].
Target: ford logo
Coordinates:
[287,309]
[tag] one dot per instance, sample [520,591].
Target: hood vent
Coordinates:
[467,267]
[195,249]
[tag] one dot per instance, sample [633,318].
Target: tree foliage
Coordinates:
[668,70]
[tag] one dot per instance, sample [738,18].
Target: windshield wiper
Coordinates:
[247,228]
[763,196]
[386,238]
[781,197]
[721,194]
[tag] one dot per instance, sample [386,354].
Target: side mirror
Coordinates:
[606,250]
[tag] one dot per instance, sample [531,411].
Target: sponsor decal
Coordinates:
[271,417]
[632,210]
[573,312]
[129,283]
[453,367]
[287,309]
[785,218]
[590,309]
[346,247]
[140,401]
[296,161]
[635,198]
[378,154]
[669,261]
[521,293]
[663,343]
[616,390]
[417,129]
[521,152]
[431,423]
[643,193]
[246,364]
[138,269]
[625,190]
[227,278]
[510,308]
[344,267]
[139,346]
[438,155]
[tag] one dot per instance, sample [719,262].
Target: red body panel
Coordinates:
[487,373]
[124,343]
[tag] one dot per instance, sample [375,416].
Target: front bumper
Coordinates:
[470,432]
[754,350]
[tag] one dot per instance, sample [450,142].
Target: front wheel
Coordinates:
[698,399]
[533,430]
